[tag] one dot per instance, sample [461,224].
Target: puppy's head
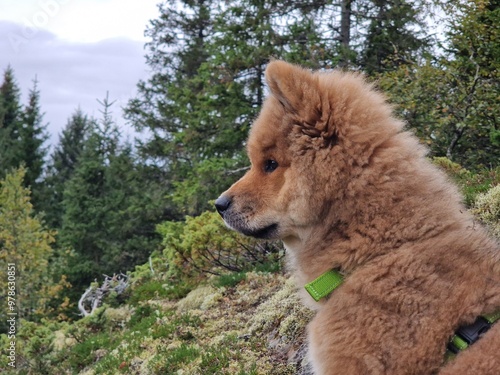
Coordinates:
[309,135]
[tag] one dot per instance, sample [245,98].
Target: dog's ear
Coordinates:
[294,87]
[298,90]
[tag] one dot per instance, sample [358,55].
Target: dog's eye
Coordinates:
[270,166]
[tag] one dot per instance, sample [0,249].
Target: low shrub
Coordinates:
[93,348]
[140,315]
[203,245]
[37,353]
[230,279]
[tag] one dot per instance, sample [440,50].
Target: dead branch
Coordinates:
[92,298]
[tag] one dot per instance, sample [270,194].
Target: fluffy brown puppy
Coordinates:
[337,179]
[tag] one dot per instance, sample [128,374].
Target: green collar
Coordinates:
[324,285]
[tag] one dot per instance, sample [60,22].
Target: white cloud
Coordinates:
[82,20]
[72,75]
[78,50]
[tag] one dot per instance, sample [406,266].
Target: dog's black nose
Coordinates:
[222,204]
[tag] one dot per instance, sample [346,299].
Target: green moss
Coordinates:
[283,311]
[214,360]
[199,299]
[152,289]
[140,315]
[118,317]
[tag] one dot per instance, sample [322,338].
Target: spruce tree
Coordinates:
[395,34]
[109,209]
[10,122]
[62,164]
[68,150]
[22,133]
[32,138]
[450,100]
[86,203]
[167,106]
[175,53]
[84,207]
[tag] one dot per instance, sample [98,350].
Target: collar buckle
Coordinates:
[324,284]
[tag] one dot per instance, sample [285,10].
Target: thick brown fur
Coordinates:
[352,191]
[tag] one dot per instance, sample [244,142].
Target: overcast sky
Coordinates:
[77,50]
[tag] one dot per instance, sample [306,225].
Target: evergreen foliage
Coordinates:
[474,79]
[208,86]
[10,122]
[395,36]
[22,131]
[450,100]
[109,215]
[33,135]
[63,163]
